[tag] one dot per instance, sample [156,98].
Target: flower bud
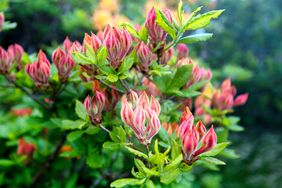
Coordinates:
[186,114]
[189,144]
[5,62]
[171,128]
[144,56]
[67,45]
[241,99]
[94,106]
[39,71]
[155,32]
[165,58]
[118,43]
[200,129]
[182,51]
[155,105]
[208,142]
[153,127]
[93,41]
[15,52]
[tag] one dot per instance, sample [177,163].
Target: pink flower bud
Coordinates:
[200,129]
[67,45]
[143,99]
[165,58]
[2,19]
[153,127]
[94,107]
[155,105]
[126,112]
[155,32]
[241,99]
[208,142]
[182,51]
[144,56]
[139,119]
[189,144]
[39,71]
[186,126]
[186,114]
[5,62]
[15,52]
[118,43]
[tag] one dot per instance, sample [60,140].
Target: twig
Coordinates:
[124,85]
[49,161]
[104,128]
[112,87]
[28,93]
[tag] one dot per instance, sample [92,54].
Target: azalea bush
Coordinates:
[126,107]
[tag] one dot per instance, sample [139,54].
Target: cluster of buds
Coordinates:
[155,32]
[2,20]
[39,71]
[25,148]
[63,60]
[94,106]
[141,114]
[144,56]
[224,98]
[93,41]
[12,55]
[118,43]
[182,51]
[195,139]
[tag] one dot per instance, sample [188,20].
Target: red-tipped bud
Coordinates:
[200,129]
[67,45]
[5,62]
[93,41]
[94,106]
[144,56]
[182,51]
[15,52]
[189,144]
[155,105]
[39,71]
[208,142]
[165,58]
[155,32]
[118,43]
[126,112]
[241,99]
[153,127]
[139,119]
[186,114]
[143,99]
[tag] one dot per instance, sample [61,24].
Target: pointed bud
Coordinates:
[67,45]
[200,129]
[186,114]
[143,99]
[182,51]
[139,120]
[5,62]
[15,52]
[144,56]
[189,144]
[241,99]
[208,142]
[153,127]
[155,105]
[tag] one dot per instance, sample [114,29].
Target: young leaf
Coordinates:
[180,11]
[111,146]
[195,38]
[80,111]
[202,20]
[165,24]
[136,152]
[181,76]
[131,30]
[70,125]
[126,65]
[216,150]
[170,175]
[127,181]
[143,33]
[102,55]
[112,77]
[212,160]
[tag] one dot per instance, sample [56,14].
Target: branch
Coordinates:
[124,85]
[112,87]
[49,160]
[104,128]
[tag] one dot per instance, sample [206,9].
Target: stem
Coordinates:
[49,160]
[104,128]
[28,93]
[124,85]
[112,87]
[179,35]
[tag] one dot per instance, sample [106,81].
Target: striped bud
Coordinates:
[182,51]
[5,62]
[144,56]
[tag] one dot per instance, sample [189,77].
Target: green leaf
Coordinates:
[131,30]
[70,125]
[170,175]
[127,181]
[216,150]
[118,134]
[235,127]
[92,130]
[81,58]
[111,146]
[212,160]
[143,34]
[180,11]
[102,56]
[6,163]
[192,15]
[136,152]
[165,24]
[202,20]
[90,54]
[181,76]
[9,25]
[142,168]
[74,135]
[196,38]
[80,111]
[112,78]
[126,65]
[94,159]
[229,153]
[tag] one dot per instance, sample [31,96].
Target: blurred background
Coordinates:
[246,46]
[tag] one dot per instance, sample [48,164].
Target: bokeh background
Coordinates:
[246,46]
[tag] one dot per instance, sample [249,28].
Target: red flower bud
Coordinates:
[5,62]
[93,41]
[15,52]
[208,142]
[189,144]
[39,71]
[25,148]
[200,129]
[144,56]
[241,99]
[67,45]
